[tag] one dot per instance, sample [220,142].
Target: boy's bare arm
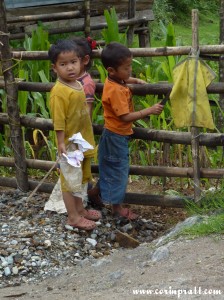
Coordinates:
[133,80]
[156,109]
[61,141]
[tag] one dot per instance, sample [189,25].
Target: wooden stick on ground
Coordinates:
[42,180]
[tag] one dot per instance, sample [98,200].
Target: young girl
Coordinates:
[87,45]
[89,86]
[70,115]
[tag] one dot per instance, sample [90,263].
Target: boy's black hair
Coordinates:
[114,54]
[63,46]
[85,47]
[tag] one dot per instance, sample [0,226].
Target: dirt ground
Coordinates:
[193,268]
[190,269]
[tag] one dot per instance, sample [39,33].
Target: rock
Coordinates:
[116,275]
[69,227]
[7,271]
[47,243]
[180,226]
[127,227]
[91,241]
[160,253]
[15,270]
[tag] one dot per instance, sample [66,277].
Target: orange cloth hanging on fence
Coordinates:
[189,99]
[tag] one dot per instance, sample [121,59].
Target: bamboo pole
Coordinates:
[87,18]
[171,137]
[136,52]
[77,28]
[12,183]
[195,130]
[44,17]
[131,14]
[137,89]
[130,198]
[16,137]
[221,66]
[160,171]
[155,200]
[165,158]
[144,37]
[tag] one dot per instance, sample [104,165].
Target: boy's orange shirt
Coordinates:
[117,101]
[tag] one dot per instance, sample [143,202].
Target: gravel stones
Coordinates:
[35,244]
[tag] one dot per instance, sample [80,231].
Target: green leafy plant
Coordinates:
[34,103]
[111,33]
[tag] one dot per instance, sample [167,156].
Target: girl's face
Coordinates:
[123,72]
[83,63]
[68,66]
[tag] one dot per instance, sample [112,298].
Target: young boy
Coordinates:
[70,115]
[119,115]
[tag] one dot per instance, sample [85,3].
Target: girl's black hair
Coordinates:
[86,48]
[60,46]
[114,54]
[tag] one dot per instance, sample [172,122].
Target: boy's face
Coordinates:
[123,72]
[67,66]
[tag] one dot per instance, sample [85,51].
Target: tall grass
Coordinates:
[211,209]
[211,202]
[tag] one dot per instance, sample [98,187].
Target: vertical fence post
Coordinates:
[195,130]
[144,36]
[87,18]
[220,119]
[131,14]
[11,89]
[166,159]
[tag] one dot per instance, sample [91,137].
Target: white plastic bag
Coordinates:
[72,176]
[70,163]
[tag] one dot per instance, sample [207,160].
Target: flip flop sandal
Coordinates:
[92,214]
[127,213]
[84,224]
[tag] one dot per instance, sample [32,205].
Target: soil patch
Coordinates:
[193,270]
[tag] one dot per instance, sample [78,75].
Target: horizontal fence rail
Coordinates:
[161,171]
[172,137]
[137,89]
[136,52]
[81,27]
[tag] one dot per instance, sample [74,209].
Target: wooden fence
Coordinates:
[84,16]
[16,121]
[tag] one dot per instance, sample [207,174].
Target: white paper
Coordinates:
[83,145]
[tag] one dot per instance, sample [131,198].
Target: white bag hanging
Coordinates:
[70,166]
